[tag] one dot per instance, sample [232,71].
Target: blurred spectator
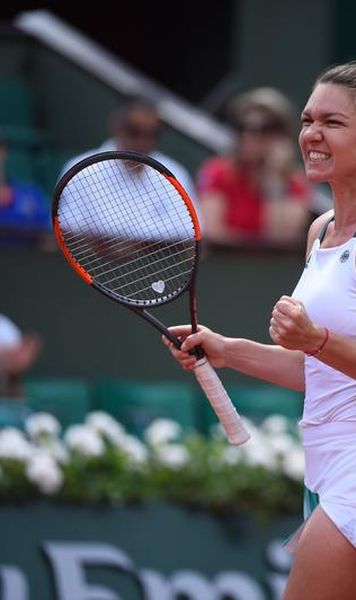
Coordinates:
[137,127]
[256,195]
[24,209]
[18,352]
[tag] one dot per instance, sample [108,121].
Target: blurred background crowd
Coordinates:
[220,110]
[215,93]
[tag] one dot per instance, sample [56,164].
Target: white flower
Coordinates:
[84,440]
[13,445]
[55,449]
[232,455]
[281,444]
[293,463]
[105,425]
[42,425]
[134,449]
[275,424]
[162,431]
[174,456]
[258,452]
[44,472]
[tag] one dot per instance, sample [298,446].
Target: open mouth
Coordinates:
[317,157]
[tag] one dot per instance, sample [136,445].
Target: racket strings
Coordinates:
[129,228]
[91,258]
[112,212]
[102,195]
[143,289]
[130,264]
[132,267]
[161,272]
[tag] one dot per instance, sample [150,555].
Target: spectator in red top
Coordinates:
[256,195]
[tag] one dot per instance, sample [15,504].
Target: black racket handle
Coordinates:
[196,351]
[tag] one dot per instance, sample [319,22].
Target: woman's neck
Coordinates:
[344,199]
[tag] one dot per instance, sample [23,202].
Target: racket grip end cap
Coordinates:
[242,438]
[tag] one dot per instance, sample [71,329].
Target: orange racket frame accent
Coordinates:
[73,263]
[180,189]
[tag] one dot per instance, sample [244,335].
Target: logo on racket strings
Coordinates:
[158,286]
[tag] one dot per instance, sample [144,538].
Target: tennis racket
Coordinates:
[130,231]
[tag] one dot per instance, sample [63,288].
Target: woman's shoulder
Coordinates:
[316,228]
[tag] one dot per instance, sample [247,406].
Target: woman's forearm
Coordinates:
[340,353]
[271,363]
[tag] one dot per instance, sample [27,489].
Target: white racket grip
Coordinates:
[221,403]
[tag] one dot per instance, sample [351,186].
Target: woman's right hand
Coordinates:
[212,343]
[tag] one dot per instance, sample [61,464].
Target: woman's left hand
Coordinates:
[291,327]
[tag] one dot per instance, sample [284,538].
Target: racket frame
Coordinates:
[140,310]
[205,374]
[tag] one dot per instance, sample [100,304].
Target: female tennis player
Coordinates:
[314,332]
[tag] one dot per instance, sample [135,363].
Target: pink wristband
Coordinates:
[322,345]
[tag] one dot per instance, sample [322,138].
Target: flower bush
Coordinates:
[98,461]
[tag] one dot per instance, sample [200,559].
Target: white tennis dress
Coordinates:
[327,289]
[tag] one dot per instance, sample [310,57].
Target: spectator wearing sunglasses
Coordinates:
[256,195]
[137,127]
